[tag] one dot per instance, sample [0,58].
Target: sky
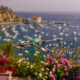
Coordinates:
[62,6]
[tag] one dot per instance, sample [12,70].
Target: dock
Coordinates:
[49,22]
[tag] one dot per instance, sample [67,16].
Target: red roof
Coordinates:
[35,16]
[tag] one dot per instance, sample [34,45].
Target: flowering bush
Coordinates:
[54,67]
[6,63]
[26,68]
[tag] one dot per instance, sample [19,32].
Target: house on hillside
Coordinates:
[35,19]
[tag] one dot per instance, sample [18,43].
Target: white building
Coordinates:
[35,19]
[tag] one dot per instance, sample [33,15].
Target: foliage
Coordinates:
[7,15]
[8,47]
[54,67]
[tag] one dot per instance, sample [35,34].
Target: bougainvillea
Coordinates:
[5,63]
[56,66]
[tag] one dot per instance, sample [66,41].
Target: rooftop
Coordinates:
[35,16]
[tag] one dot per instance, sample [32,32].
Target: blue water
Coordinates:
[50,29]
[72,19]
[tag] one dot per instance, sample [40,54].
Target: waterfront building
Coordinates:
[35,19]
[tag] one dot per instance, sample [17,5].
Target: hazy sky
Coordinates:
[43,5]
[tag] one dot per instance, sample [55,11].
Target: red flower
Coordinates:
[3,70]
[5,53]
[4,61]
[13,69]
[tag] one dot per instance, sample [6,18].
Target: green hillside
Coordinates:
[7,15]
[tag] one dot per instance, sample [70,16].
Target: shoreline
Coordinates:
[43,22]
[6,23]
[48,22]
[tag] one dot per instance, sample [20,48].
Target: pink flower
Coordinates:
[58,65]
[54,66]
[67,73]
[53,59]
[62,60]
[70,66]
[48,56]
[77,77]
[65,68]
[48,61]
[53,78]
[53,70]
[42,67]
[52,62]
[50,74]
[65,60]
[62,55]
[63,79]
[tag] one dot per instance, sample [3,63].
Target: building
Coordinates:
[35,19]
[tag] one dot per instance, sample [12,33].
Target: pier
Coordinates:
[49,22]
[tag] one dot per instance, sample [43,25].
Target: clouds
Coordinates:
[44,5]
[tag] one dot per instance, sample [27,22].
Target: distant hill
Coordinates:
[7,15]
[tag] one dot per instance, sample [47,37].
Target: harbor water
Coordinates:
[70,34]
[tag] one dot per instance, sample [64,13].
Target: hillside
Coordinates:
[7,15]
